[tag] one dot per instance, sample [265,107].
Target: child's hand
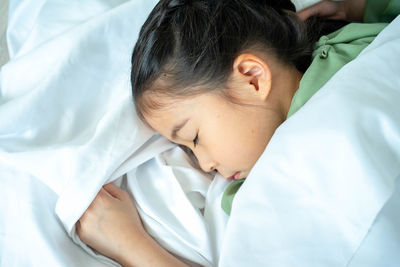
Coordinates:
[350,10]
[110,223]
[112,226]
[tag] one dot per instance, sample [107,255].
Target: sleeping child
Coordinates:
[219,77]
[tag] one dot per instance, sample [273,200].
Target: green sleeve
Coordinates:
[381,10]
[229,194]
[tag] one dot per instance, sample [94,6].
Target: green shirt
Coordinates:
[331,53]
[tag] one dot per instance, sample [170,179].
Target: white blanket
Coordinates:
[68,126]
[326,190]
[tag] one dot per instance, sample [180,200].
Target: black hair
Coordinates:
[191,45]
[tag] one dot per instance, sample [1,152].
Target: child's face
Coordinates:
[230,137]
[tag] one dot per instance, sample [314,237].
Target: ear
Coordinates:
[255,72]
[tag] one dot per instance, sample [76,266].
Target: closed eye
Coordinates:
[196,140]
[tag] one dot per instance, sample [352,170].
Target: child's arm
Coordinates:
[112,226]
[354,10]
[350,10]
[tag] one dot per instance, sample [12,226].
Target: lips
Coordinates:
[236,176]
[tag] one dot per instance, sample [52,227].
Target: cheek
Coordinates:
[237,149]
[234,140]
[252,144]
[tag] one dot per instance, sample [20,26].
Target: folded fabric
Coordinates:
[328,173]
[70,123]
[70,120]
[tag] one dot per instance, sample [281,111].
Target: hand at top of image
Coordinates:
[337,10]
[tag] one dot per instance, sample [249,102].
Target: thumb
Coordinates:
[115,191]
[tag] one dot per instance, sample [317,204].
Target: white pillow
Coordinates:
[66,114]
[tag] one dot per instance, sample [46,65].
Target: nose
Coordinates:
[207,166]
[205,161]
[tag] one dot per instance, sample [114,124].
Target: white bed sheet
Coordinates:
[67,126]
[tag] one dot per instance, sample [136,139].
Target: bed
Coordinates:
[3,27]
[67,126]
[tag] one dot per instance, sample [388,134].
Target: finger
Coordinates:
[309,11]
[80,232]
[114,191]
[102,197]
[103,193]
[306,13]
[321,9]
[78,227]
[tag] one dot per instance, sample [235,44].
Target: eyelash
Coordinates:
[196,140]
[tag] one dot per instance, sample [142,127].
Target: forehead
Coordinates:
[168,111]
[176,110]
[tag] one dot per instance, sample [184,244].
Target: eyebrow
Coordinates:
[177,128]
